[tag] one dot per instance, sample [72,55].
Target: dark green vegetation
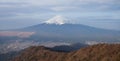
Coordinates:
[8,56]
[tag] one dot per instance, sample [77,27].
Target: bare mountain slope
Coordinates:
[100,52]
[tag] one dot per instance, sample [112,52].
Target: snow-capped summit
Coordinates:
[58,19]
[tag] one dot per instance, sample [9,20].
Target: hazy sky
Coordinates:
[97,13]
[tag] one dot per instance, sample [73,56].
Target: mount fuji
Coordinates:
[57,29]
[56,20]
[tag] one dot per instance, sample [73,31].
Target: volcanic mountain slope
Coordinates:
[57,28]
[70,32]
[100,52]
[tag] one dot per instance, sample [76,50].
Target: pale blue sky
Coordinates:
[97,13]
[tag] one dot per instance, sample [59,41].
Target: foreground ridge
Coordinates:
[99,52]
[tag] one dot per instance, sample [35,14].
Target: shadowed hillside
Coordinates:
[100,52]
[40,53]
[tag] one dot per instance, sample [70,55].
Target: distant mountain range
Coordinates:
[74,32]
[56,29]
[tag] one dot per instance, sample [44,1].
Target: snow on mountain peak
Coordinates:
[58,19]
